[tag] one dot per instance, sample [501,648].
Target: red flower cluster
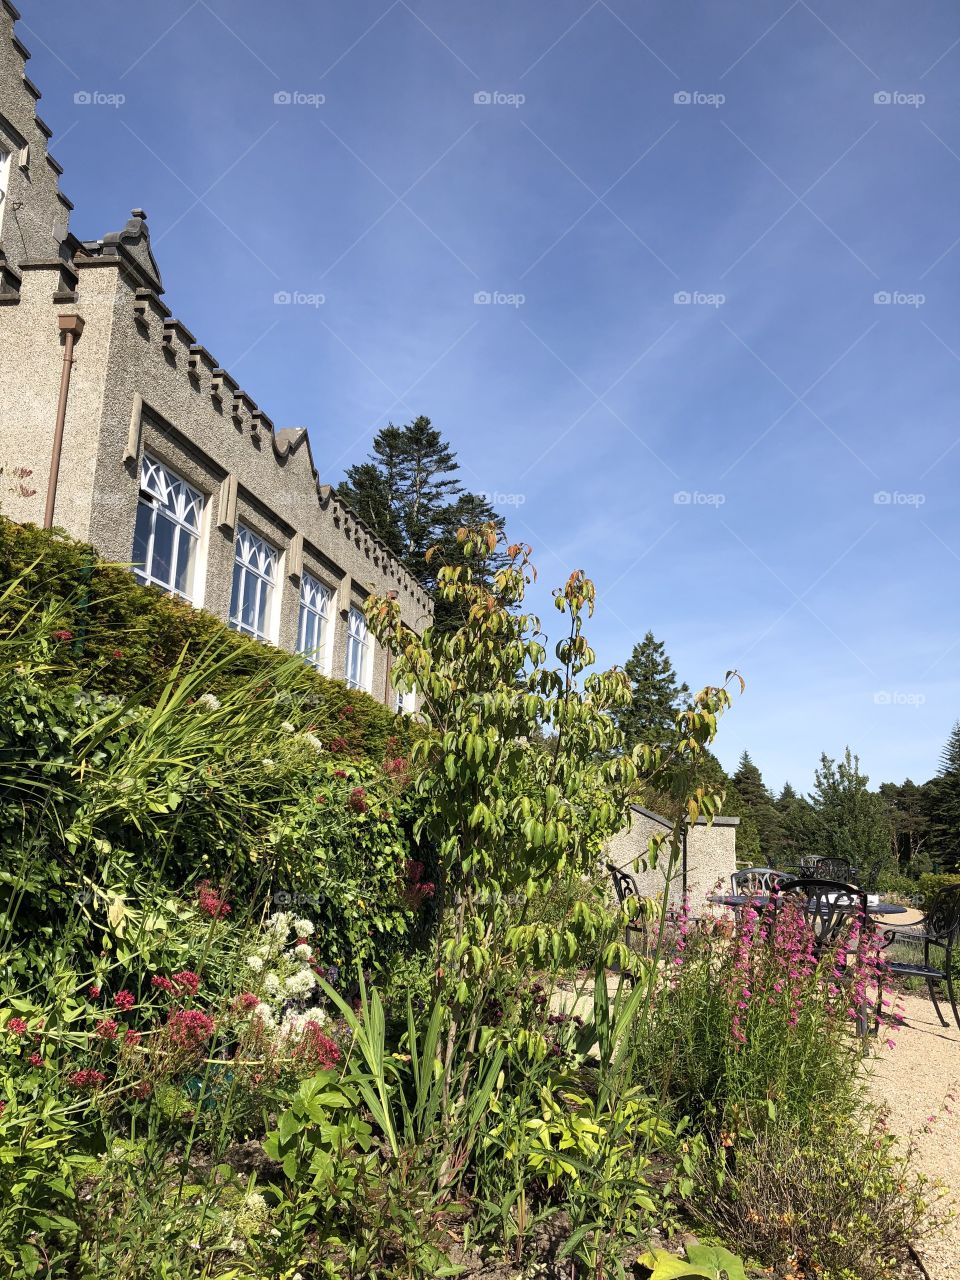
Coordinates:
[339,745]
[417,890]
[315,1051]
[36,1059]
[63,635]
[106,1029]
[132,1037]
[211,901]
[17,1026]
[118,653]
[189,1028]
[357,800]
[87,1079]
[339,773]
[185,980]
[94,993]
[247,1000]
[396,766]
[124,999]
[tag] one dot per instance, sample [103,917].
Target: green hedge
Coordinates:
[123,638]
[931,883]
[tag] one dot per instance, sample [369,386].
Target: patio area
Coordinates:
[914,1080]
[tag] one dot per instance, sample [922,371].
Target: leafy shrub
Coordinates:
[892,884]
[124,639]
[931,884]
[837,1200]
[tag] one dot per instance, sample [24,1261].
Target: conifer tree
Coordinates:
[941,803]
[758,803]
[657,696]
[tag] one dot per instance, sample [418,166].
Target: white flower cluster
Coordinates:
[312,741]
[284,972]
[210,701]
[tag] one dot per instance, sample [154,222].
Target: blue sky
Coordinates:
[785,166]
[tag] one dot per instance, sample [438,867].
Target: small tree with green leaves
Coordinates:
[520,773]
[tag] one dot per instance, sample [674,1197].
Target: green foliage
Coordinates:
[759,804]
[941,805]
[852,821]
[108,633]
[656,698]
[930,885]
[409,495]
[703,1260]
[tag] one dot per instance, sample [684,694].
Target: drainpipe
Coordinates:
[71,327]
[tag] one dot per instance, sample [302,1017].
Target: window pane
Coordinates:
[161,566]
[185,557]
[263,604]
[248,603]
[141,538]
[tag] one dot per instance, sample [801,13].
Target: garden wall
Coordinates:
[711,855]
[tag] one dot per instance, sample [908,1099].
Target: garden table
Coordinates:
[763,900]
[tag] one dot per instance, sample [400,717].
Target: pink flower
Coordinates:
[211,901]
[86,1079]
[106,1029]
[132,1036]
[189,1029]
[187,980]
[63,635]
[36,1060]
[315,1051]
[124,999]
[357,800]
[94,993]
[161,983]
[17,1026]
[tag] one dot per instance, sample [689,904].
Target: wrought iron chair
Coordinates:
[625,886]
[940,927]
[829,904]
[753,880]
[834,869]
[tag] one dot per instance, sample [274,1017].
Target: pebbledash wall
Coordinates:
[711,855]
[142,386]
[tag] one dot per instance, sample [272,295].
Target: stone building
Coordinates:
[137,441]
[710,856]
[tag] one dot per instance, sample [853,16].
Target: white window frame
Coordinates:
[258,559]
[358,636]
[6,167]
[316,600]
[166,493]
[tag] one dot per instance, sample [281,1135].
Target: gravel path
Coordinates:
[913,1080]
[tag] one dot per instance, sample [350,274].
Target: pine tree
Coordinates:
[798,822]
[656,696]
[941,805]
[758,803]
[408,493]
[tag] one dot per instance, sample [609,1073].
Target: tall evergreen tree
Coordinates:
[656,695]
[941,803]
[852,820]
[758,802]
[909,825]
[798,822]
[409,494]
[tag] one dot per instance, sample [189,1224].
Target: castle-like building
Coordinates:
[132,437]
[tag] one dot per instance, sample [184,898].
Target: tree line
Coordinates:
[906,828]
